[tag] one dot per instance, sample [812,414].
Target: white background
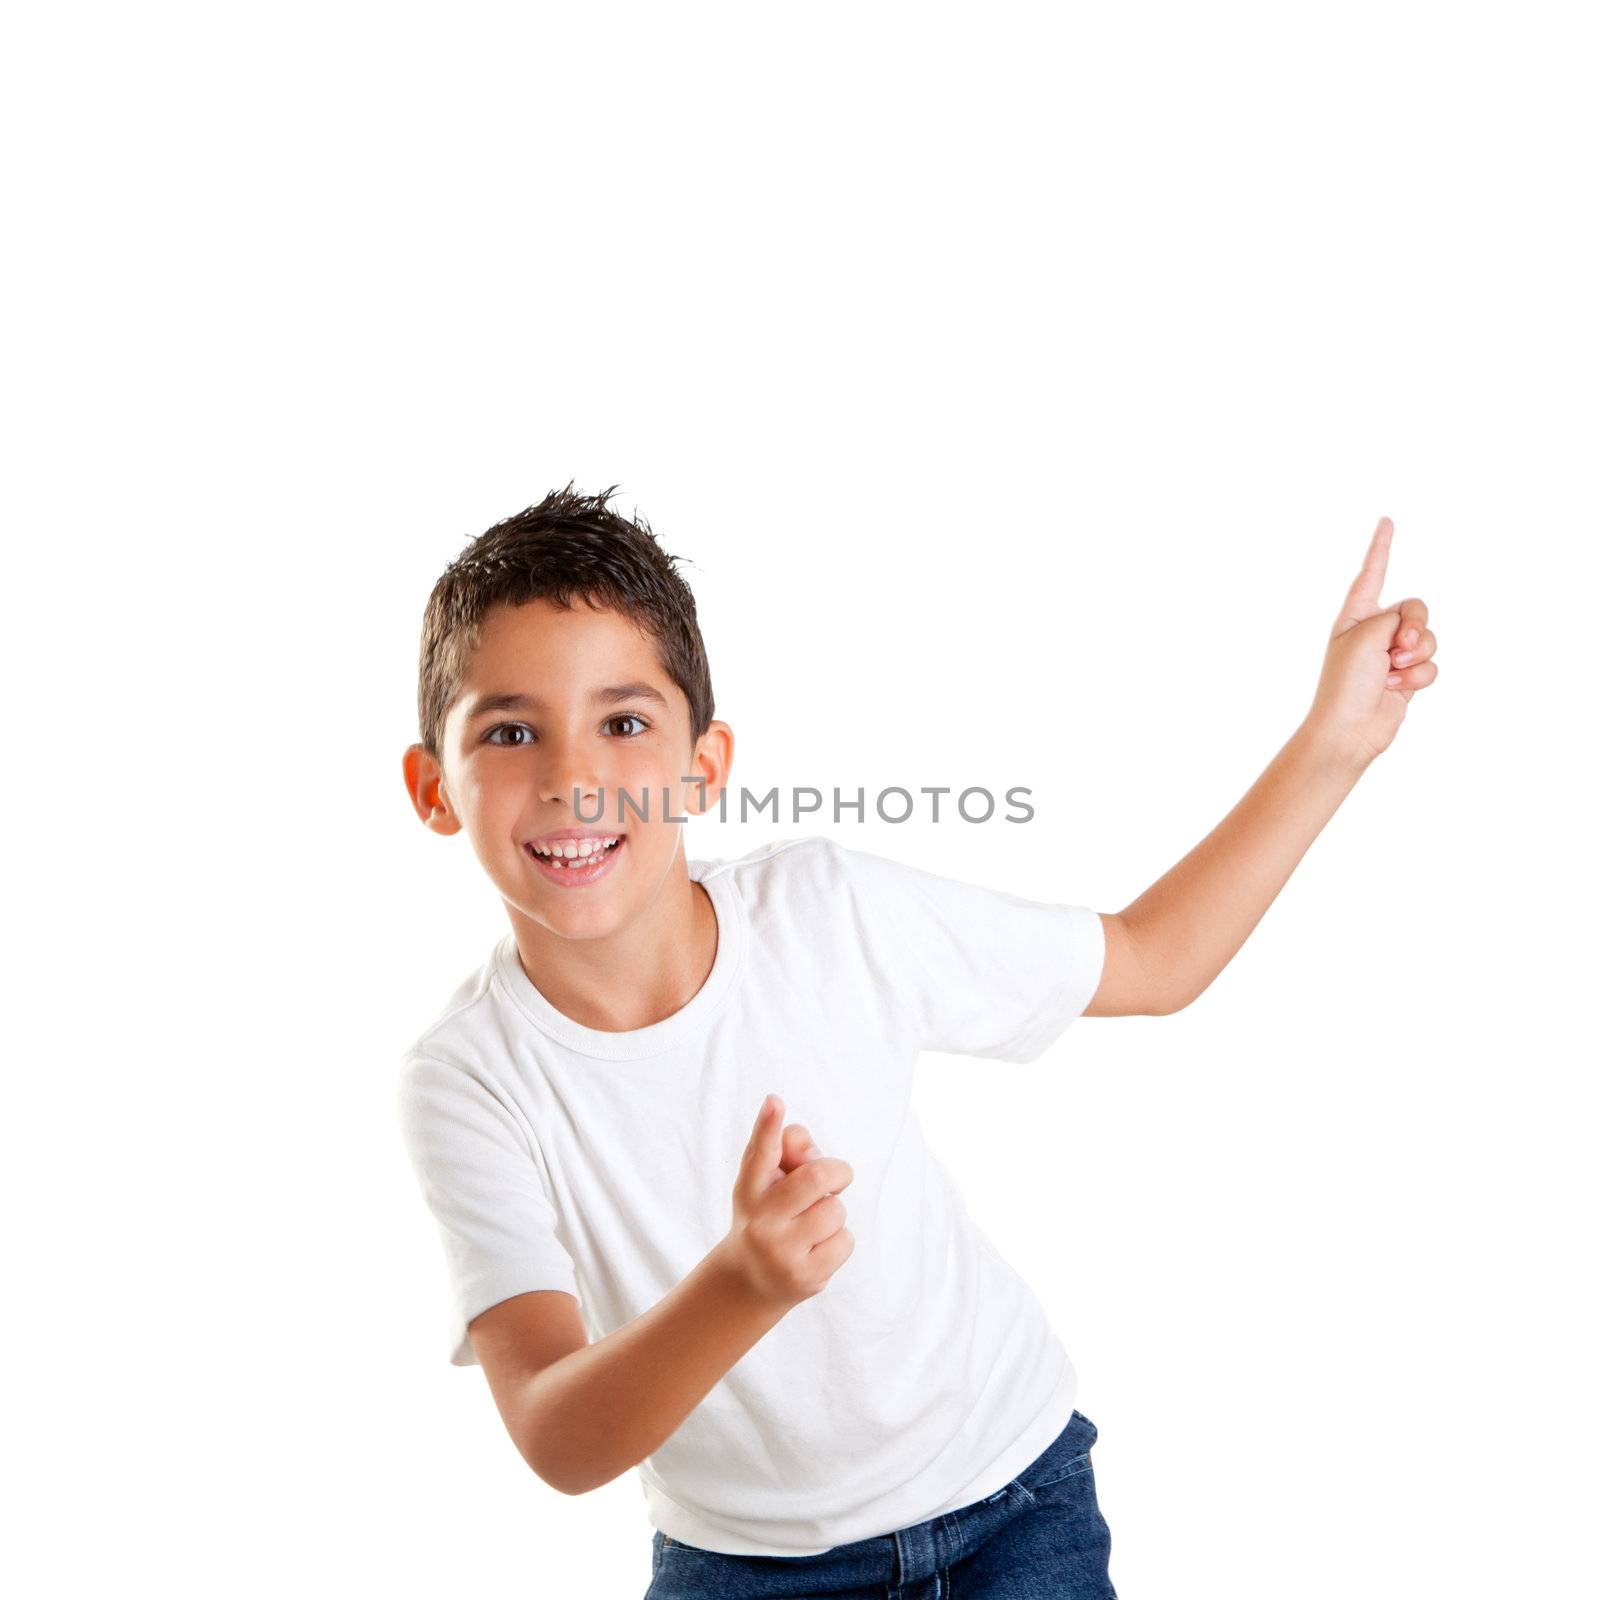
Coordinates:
[1024,384]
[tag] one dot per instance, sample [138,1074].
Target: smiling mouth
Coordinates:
[589,859]
[575,851]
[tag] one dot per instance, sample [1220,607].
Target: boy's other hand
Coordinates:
[1378,657]
[788,1236]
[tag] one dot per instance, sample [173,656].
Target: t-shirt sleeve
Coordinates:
[475,1166]
[980,972]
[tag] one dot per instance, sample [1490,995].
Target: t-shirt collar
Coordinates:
[683,1025]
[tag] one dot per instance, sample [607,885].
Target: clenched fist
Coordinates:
[788,1236]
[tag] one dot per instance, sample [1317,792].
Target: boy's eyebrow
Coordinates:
[484,704]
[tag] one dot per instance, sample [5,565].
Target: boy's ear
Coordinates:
[425,785]
[709,765]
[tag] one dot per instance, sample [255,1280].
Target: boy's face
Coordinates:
[583,712]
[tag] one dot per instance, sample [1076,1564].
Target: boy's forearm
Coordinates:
[1190,923]
[598,1411]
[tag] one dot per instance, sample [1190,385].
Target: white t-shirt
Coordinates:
[925,1375]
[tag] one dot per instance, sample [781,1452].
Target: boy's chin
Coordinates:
[585,907]
[574,916]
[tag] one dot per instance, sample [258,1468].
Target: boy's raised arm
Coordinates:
[1163,950]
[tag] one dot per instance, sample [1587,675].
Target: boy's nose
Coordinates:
[567,777]
[570,789]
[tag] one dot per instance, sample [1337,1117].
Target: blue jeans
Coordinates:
[1041,1537]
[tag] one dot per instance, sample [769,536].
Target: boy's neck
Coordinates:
[639,975]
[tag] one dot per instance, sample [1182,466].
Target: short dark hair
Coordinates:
[568,546]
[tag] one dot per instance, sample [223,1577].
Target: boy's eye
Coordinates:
[522,727]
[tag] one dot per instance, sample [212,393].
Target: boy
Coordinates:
[650,1267]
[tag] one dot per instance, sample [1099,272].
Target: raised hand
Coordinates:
[788,1236]
[1378,657]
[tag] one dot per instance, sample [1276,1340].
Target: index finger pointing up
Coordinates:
[762,1154]
[1362,600]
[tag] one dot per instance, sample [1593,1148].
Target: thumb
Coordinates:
[1377,631]
[798,1147]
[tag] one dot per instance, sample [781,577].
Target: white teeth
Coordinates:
[565,850]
